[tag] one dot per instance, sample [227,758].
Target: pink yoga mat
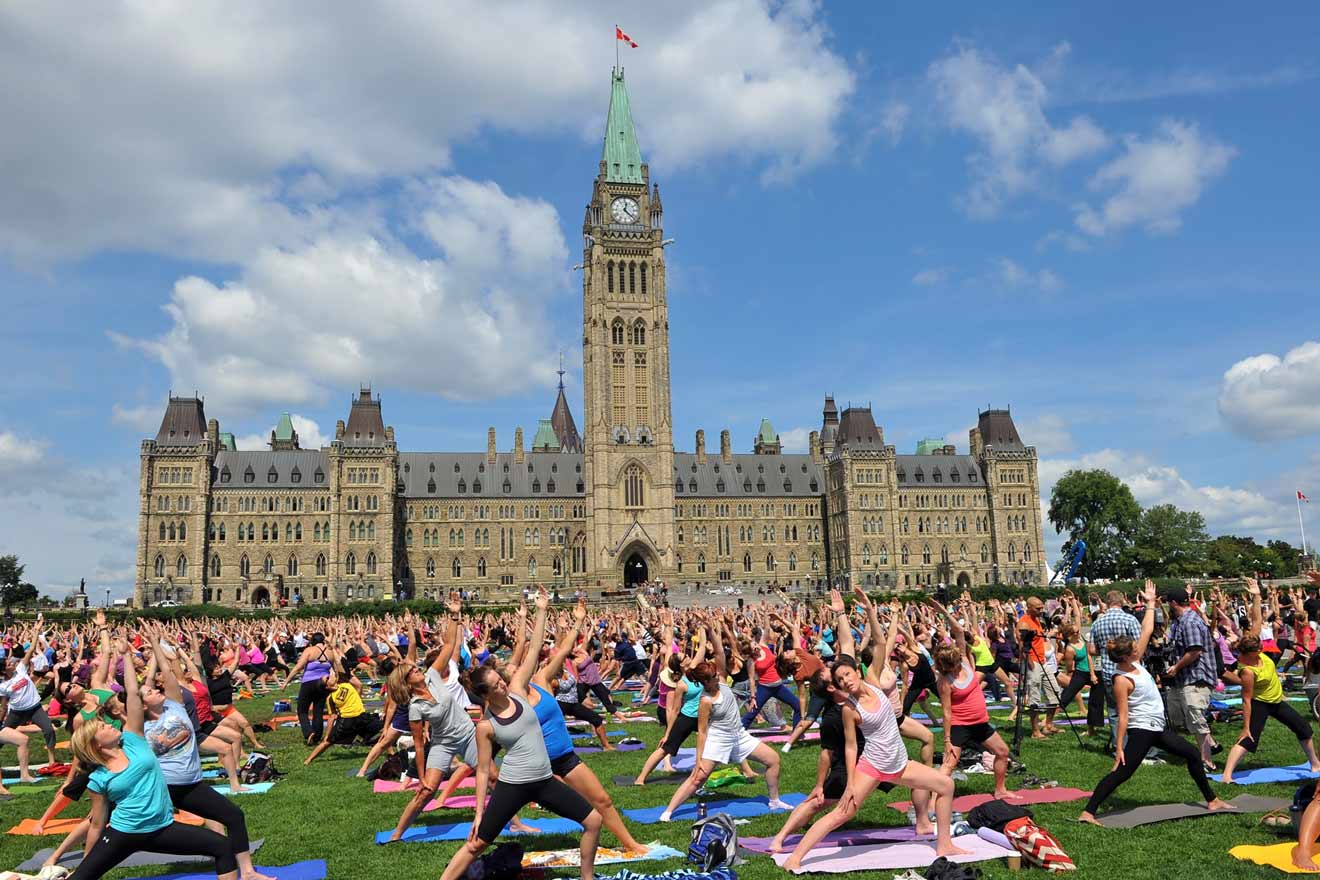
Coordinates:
[1024,796]
[389,786]
[458,802]
[890,856]
[810,736]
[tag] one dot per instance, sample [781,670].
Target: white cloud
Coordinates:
[1048,433]
[1155,180]
[1268,397]
[1010,274]
[354,306]
[1227,509]
[229,133]
[1003,110]
[893,121]
[17,453]
[796,439]
[143,418]
[933,276]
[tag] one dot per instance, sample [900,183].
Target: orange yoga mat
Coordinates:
[64,826]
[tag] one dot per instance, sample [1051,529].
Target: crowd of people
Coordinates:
[142,703]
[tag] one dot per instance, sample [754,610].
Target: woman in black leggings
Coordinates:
[1141,722]
[174,742]
[314,665]
[128,778]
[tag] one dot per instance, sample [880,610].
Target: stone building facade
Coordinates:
[614,504]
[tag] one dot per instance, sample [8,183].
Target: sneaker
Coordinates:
[665,816]
[777,804]
[786,748]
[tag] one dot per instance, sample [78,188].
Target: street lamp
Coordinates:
[107,597]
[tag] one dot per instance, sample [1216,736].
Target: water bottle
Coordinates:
[702,794]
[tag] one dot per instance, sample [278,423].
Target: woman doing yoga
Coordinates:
[1141,722]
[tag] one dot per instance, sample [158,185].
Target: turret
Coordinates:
[701,446]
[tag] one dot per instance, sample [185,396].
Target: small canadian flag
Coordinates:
[1301,497]
[620,35]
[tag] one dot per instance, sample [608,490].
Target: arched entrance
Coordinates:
[634,570]
[964,581]
[261,597]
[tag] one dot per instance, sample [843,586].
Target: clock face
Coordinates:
[625,210]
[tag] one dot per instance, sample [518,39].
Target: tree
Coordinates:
[1096,507]
[13,590]
[1230,556]
[1290,558]
[1168,543]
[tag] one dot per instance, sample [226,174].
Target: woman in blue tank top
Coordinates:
[563,759]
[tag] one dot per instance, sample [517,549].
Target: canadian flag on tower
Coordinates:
[620,35]
[1301,497]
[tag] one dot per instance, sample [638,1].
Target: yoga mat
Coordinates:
[256,788]
[1291,773]
[995,837]
[854,837]
[809,736]
[605,855]
[738,808]
[1145,815]
[313,869]
[64,826]
[458,802]
[653,779]
[70,860]
[891,856]
[459,830]
[1278,855]
[591,750]
[1023,797]
[611,734]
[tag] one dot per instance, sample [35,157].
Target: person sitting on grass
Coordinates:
[1141,723]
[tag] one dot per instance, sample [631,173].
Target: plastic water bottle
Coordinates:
[702,794]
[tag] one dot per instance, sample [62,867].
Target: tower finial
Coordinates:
[561,370]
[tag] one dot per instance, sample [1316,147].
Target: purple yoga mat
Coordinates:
[853,837]
[588,750]
[890,856]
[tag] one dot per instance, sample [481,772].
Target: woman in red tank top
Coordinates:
[967,720]
[767,684]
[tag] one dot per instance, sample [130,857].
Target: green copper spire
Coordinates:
[545,440]
[284,430]
[621,154]
[767,434]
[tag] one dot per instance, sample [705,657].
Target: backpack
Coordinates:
[260,767]
[996,814]
[393,767]
[502,863]
[714,842]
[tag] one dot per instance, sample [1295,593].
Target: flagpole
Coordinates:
[1300,524]
[616,50]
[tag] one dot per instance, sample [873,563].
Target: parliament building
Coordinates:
[611,505]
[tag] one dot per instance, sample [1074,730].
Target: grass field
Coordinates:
[319,812]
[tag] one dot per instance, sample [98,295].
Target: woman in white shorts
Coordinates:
[721,738]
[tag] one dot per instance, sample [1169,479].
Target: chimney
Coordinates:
[950,449]
[701,446]
[517,446]
[813,445]
[389,433]
[974,442]
[339,430]
[490,445]
[726,452]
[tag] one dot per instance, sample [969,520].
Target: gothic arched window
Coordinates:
[642,269]
[320,564]
[616,331]
[430,568]
[609,274]
[181,566]
[215,565]
[350,564]
[244,566]
[371,563]
[633,495]
[632,277]
[747,562]
[292,566]
[160,566]
[481,567]
[639,332]
[456,568]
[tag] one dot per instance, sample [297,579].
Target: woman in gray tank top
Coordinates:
[525,776]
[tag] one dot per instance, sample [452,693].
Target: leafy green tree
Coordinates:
[13,590]
[1290,557]
[1230,556]
[1168,543]
[1096,507]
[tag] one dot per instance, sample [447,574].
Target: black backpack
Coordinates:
[392,767]
[502,863]
[996,814]
[260,767]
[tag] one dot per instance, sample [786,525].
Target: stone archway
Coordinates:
[964,581]
[261,597]
[635,570]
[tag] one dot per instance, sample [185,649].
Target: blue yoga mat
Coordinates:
[256,788]
[1293,773]
[459,830]
[612,734]
[313,869]
[738,808]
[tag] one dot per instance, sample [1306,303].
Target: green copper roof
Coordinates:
[767,434]
[929,446]
[545,439]
[227,441]
[284,430]
[621,155]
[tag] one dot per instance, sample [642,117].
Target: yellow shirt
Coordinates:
[1268,687]
[346,701]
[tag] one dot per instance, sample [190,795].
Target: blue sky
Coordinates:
[1102,217]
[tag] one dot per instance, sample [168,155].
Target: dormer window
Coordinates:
[462,486]
[249,475]
[506,467]
[476,487]
[224,474]
[295,475]
[678,485]
[507,487]
[692,486]
[430,486]
[319,476]
[550,487]
[272,475]
[536,487]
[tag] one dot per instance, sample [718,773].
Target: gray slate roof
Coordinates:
[969,474]
[857,429]
[538,471]
[293,469]
[997,430]
[748,476]
[184,423]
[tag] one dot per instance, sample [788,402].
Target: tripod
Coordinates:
[1027,639]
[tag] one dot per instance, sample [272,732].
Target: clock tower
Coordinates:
[629,443]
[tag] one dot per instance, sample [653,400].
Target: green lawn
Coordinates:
[319,812]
